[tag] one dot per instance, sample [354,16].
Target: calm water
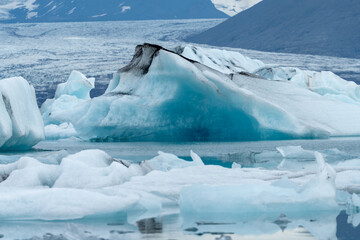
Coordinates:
[172,227]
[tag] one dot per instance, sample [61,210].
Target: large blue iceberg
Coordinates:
[164,95]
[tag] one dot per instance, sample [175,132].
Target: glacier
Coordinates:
[199,94]
[21,125]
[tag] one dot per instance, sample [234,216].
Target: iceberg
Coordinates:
[163,96]
[21,125]
[324,83]
[69,94]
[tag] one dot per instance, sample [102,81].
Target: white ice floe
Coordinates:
[21,125]
[164,96]
[78,185]
[324,83]
[253,196]
[62,131]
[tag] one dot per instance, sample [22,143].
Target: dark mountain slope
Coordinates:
[323,27]
[112,10]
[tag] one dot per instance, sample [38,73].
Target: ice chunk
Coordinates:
[235,165]
[296,152]
[163,96]
[77,85]
[166,162]
[353,210]
[89,173]
[324,83]
[221,60]
[196,159]
[52,110]
[68,95]
[27,172]
[60,203]
[319,194]
[91,169]
[255,197]
[62,131]
[297,158]
[32,188]
[21,125]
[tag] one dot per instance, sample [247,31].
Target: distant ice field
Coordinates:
[46,53]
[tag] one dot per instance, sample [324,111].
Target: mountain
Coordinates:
[233,7]
[322,27]
[109,10]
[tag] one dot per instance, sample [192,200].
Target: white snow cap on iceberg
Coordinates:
[21,125]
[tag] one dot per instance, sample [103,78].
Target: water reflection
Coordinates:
[150,225]
[348,227]
[222,237]
[342,226]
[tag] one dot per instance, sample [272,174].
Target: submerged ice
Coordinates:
[203,94]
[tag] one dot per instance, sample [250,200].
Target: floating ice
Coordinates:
[68,95]
[21,125]
[254,196]
[77,85]
[61,131]
[164,96]
[57,189]
[61,187]
[324,83]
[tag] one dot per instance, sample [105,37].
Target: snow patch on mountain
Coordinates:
[110,10]
[233,7]
[7,5]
